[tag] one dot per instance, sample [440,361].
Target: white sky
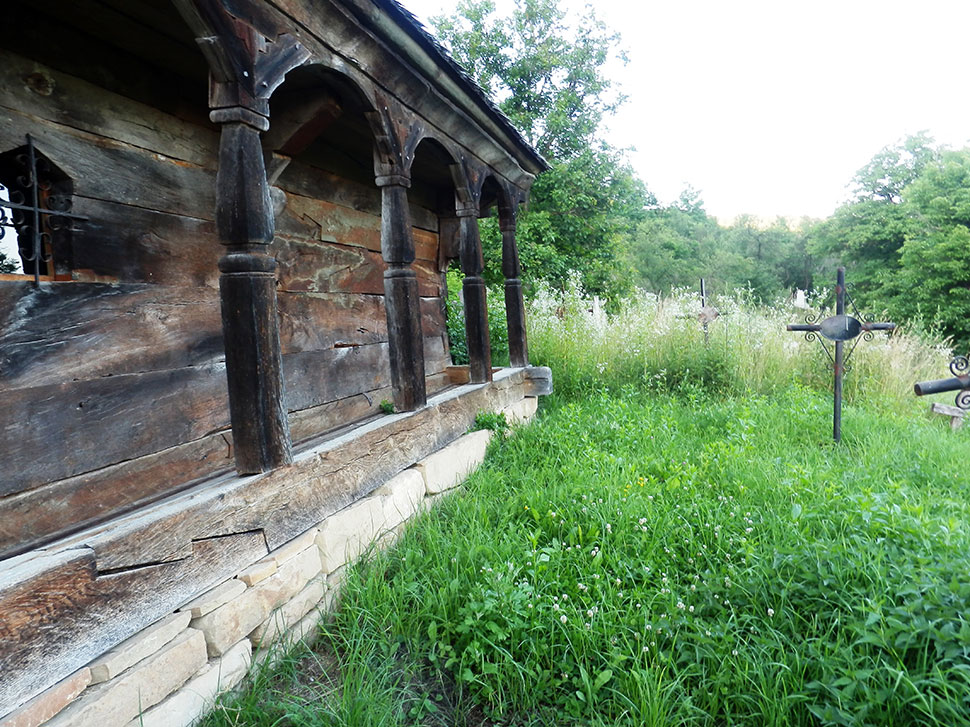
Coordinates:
[770,106]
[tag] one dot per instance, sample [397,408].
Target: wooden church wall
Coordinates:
[113,385]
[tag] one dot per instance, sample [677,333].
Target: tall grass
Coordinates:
[659,344]
[676,541]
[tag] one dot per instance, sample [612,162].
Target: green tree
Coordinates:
[545,75]
[548,77]
[868,232]
[933,276]
[7,265]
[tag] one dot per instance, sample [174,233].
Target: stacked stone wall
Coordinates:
[170,673]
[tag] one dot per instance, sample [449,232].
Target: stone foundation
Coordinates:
[169,674]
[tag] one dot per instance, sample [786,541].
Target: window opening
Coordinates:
[35,204]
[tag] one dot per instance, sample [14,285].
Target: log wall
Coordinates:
[113,384]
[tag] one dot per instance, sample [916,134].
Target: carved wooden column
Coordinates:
[247,287]
[514,303]
[473,291]
[246,64]
[401,299]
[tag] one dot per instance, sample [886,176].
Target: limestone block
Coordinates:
[138,647]
[522,411]
[450,465]
[306,630]
[233,621]
[289,613]
[538,380]
[49,702]
[346,534]
[401,496]
[121,699]
[258,572]
[293,548]
[211,600]
[197,695]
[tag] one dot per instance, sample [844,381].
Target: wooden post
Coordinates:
[514,303]
[401,299]
[473,291]
[247,287]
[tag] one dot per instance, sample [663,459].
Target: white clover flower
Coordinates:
[563,618]
[771,612]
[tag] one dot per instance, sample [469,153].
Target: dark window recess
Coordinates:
[35,208]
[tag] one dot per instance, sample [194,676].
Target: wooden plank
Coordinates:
[72,102]
[32,518]
[114,171]
[317,322]
[317,377]
[43,37]
[287,501]
[52,432]
[318,421]
[60,613]
[75,332]
[300,178]
[128,244]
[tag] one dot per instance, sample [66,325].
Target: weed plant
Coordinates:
[635,560]
[659,344]
[675,541]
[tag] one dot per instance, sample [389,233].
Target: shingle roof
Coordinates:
[431,44]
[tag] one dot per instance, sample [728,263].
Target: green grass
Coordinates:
[675,541]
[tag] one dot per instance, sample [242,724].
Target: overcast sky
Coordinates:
[770,106]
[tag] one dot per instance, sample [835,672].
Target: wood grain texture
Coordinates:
[322,480]
[31,518]
[55,431]
[121,243]
[45,93]
[76,332]
[60,612]
[112,170]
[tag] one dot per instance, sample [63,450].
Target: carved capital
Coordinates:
[393,180]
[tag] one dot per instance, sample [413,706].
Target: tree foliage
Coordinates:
[548,77]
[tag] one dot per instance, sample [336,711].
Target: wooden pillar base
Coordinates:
[476,329]
[405,338]
[247,287]
[515,316]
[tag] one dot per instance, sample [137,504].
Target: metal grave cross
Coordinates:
[960,368]
[840,328]
[707,313]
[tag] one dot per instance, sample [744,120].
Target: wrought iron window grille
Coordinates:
[34,209]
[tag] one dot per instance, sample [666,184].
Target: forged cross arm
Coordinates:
[939,386]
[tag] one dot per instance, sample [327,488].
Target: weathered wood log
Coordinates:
[473,292]
[32,518]
[46,432]
[60,612]
[34,89]
[126,244]
[401,297]
[75,332]
[115,170]
[285,502]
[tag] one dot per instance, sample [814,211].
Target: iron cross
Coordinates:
[840,328]
[960,368]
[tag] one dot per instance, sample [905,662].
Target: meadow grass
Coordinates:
[675,541]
